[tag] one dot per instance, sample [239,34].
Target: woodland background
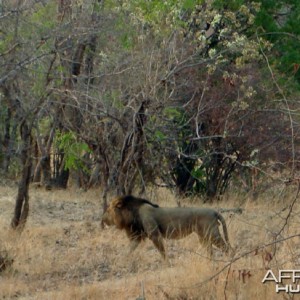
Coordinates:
[192,95]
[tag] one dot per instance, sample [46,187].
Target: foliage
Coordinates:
[182,92]
[279,21]
[72,149]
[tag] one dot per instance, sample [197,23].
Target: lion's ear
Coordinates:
[119,205]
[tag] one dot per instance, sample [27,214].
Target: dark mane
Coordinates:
[131,201]
[136,229]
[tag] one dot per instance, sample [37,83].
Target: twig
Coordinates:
[290,210]
[226,282]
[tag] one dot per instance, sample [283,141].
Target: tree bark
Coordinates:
[6,142]
[131,162]
[22,202]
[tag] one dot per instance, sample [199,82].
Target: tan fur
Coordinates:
[142,219]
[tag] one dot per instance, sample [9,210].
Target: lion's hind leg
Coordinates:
[211,236]
[217,240]
[205,241]
[208,246]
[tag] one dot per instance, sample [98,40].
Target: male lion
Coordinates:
[142,219]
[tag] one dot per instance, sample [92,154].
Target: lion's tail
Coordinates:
[222,220]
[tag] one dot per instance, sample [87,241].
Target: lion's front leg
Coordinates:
[152,231]
[158,242]
[134,242]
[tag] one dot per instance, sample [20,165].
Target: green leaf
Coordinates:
[160,136]
[73,150]
[189,4]
[127,41]
[173,112]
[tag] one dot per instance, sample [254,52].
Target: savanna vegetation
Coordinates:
[189,100]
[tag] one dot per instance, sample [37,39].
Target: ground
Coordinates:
[63,253]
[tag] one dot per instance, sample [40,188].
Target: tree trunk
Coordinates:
[131,161]
[6,142]
[9,140]
[22,201]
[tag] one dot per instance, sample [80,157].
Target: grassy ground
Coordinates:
[64,253]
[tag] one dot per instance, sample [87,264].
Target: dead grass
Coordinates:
[64,254]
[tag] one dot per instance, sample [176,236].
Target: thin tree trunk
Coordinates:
[22,202]
[6,142]
[131,160]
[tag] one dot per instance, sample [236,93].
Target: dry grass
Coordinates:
[64,254]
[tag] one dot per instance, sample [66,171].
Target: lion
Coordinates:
[143,219]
